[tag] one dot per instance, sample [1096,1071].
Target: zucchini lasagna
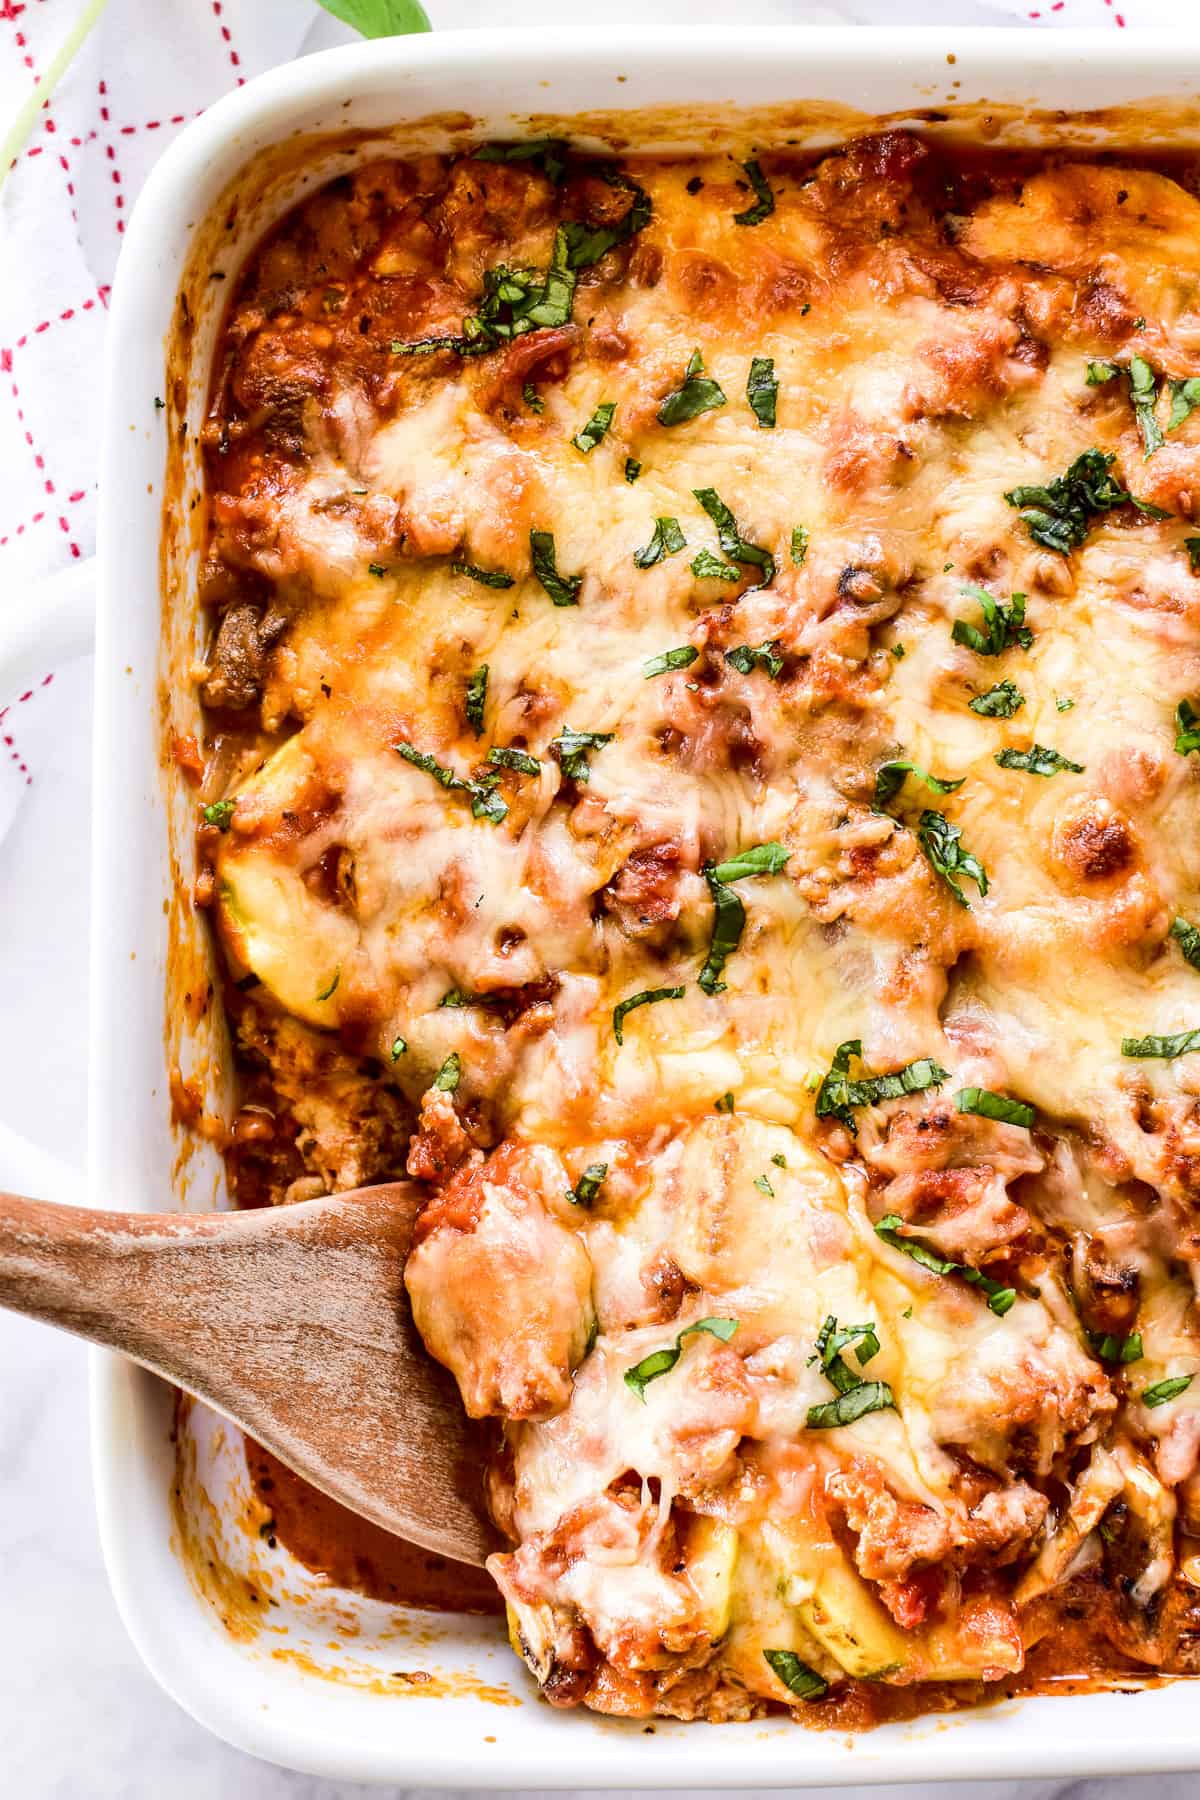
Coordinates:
[703,774]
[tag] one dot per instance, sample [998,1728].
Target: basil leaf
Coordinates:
[1098,373]
[660,1362]
[586,244]
[1000,1299]
[571,748]
[485,802]
[838,1096]
[1185,396]
[379,18]
[1063,703]
[745,658]
[549,152]
[447,1078]
[562,589]
[588,1186]
[1116,1350]
[941,843]
[1000,702]
[1181,1043]
[462,346]
[1143,392]
[707,567]
[867,1397]
[1187,728]
[1192,546]
[732,543]
[219,813]
[760,859]
[515,301]
[508,758]
[377,569]
[594,430]
[799,544]
[764,202]
[1170,1389]
[683,658]
[477,699]
[889,779]
[493,578]
[795,1675]
[326,993]
[729,922]
[455,997]
[832,1340]
[1003,625]
[647,997]
[988,1105]
[1188,939]
[696,394]
[762,390]
[667,540]
[633,469]
[1059,514]
[532,398]
[723,1104]
[764,1186]
[1037,760]
[399,1046]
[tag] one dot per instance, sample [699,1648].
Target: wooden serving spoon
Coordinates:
[293,1321]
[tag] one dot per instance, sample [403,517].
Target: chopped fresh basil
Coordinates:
[697,393]
[477,699]
[1187,728]
[448,1076]
[1143,391]
[633,469]
[867,1397]
[532,398]
[988,1105]
[455,997]
[548,152]
[586,244]
[515,301]
[1112,1349]
[588,1186]
[493,578]
[1063,703]
[731,540]
[899,652]
[667,540]
[1003,625]
[729,914]
[942,846]
[707,567]
[1001,1300]
[723,1104]
[219,813]
[647,997]
[890,777]
[838,1096]
[1000,702]
[485,802]
[507,758]
[764,1186]
[1059,514]
[795,1675]
[326,993]
[764,199]
[1192,546]
[683,658]
[762,390]
[1188,939]
[661,1362]
[760,859]
[745,658]
[562,589]
[1185,396]
[374,568]
[1098,373]
[856,1397]
[461,345]
[399,1046]
[571,748]
[1170,1389]
[1037,760]
[799,544]
[594,430]
[779,1159]
[1180,1043]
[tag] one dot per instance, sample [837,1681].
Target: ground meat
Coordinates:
[240,652]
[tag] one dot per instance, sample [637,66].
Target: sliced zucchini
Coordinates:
[711,1549]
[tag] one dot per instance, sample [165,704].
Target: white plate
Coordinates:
[272,1692]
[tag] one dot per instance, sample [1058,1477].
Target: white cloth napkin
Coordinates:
[148,68]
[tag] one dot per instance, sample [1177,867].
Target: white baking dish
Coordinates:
[275,1690]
